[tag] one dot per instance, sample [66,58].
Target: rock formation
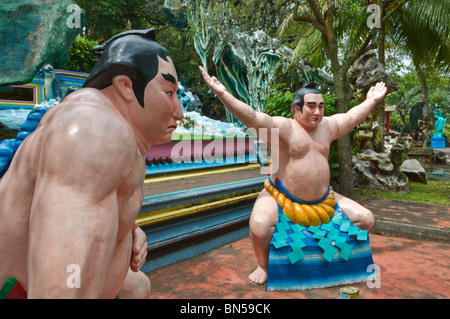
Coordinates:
[35,33]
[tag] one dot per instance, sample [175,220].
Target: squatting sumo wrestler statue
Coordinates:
[302,177]
[71,195]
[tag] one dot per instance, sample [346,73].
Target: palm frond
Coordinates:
[282,31]
[422,31]
[431,14]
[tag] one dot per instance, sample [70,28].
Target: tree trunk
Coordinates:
[381,119]
[345,167]
[381,35]
[423,87]
[344,93]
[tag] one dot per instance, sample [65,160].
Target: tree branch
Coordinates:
[387,16]
[312,21]
[331,15]
[316,11]
[316,24]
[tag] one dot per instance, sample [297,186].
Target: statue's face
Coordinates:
[162,109]
[312,113]
[47,69]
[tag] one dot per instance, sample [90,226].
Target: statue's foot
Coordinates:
[259,276]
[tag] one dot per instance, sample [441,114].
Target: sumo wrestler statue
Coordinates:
[71,196]
[302,154]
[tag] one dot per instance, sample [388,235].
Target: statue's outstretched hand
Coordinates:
[213,83]
[377,92]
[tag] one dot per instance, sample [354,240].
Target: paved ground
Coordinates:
[420,214]
[408,268]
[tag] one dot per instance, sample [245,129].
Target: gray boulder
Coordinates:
[414,171]
[375,170]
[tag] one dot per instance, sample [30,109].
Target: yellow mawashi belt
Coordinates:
[304,214]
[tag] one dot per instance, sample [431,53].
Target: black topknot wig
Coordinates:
[309,88]
[132,53]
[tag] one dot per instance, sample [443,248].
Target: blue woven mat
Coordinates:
[331,254]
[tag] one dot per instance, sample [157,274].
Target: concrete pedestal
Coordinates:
[438,142]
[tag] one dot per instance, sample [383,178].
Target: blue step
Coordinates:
[185,237]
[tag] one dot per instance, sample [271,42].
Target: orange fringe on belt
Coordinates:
[304,214]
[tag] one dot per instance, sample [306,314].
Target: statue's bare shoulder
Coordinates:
[85,137]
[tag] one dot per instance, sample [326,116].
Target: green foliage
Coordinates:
[185,59]
[409,93]
[446,132]
[439,94]
[279,102]
[434,192]
[81,57]
[422,28]
[409,87]
[105,18]
[395,122]
[245,15]
[330,104]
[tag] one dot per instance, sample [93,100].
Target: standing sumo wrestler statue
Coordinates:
[74,188]
[302,149]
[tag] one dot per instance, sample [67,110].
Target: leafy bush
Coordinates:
[330,106]
[279,102]
[81,57]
